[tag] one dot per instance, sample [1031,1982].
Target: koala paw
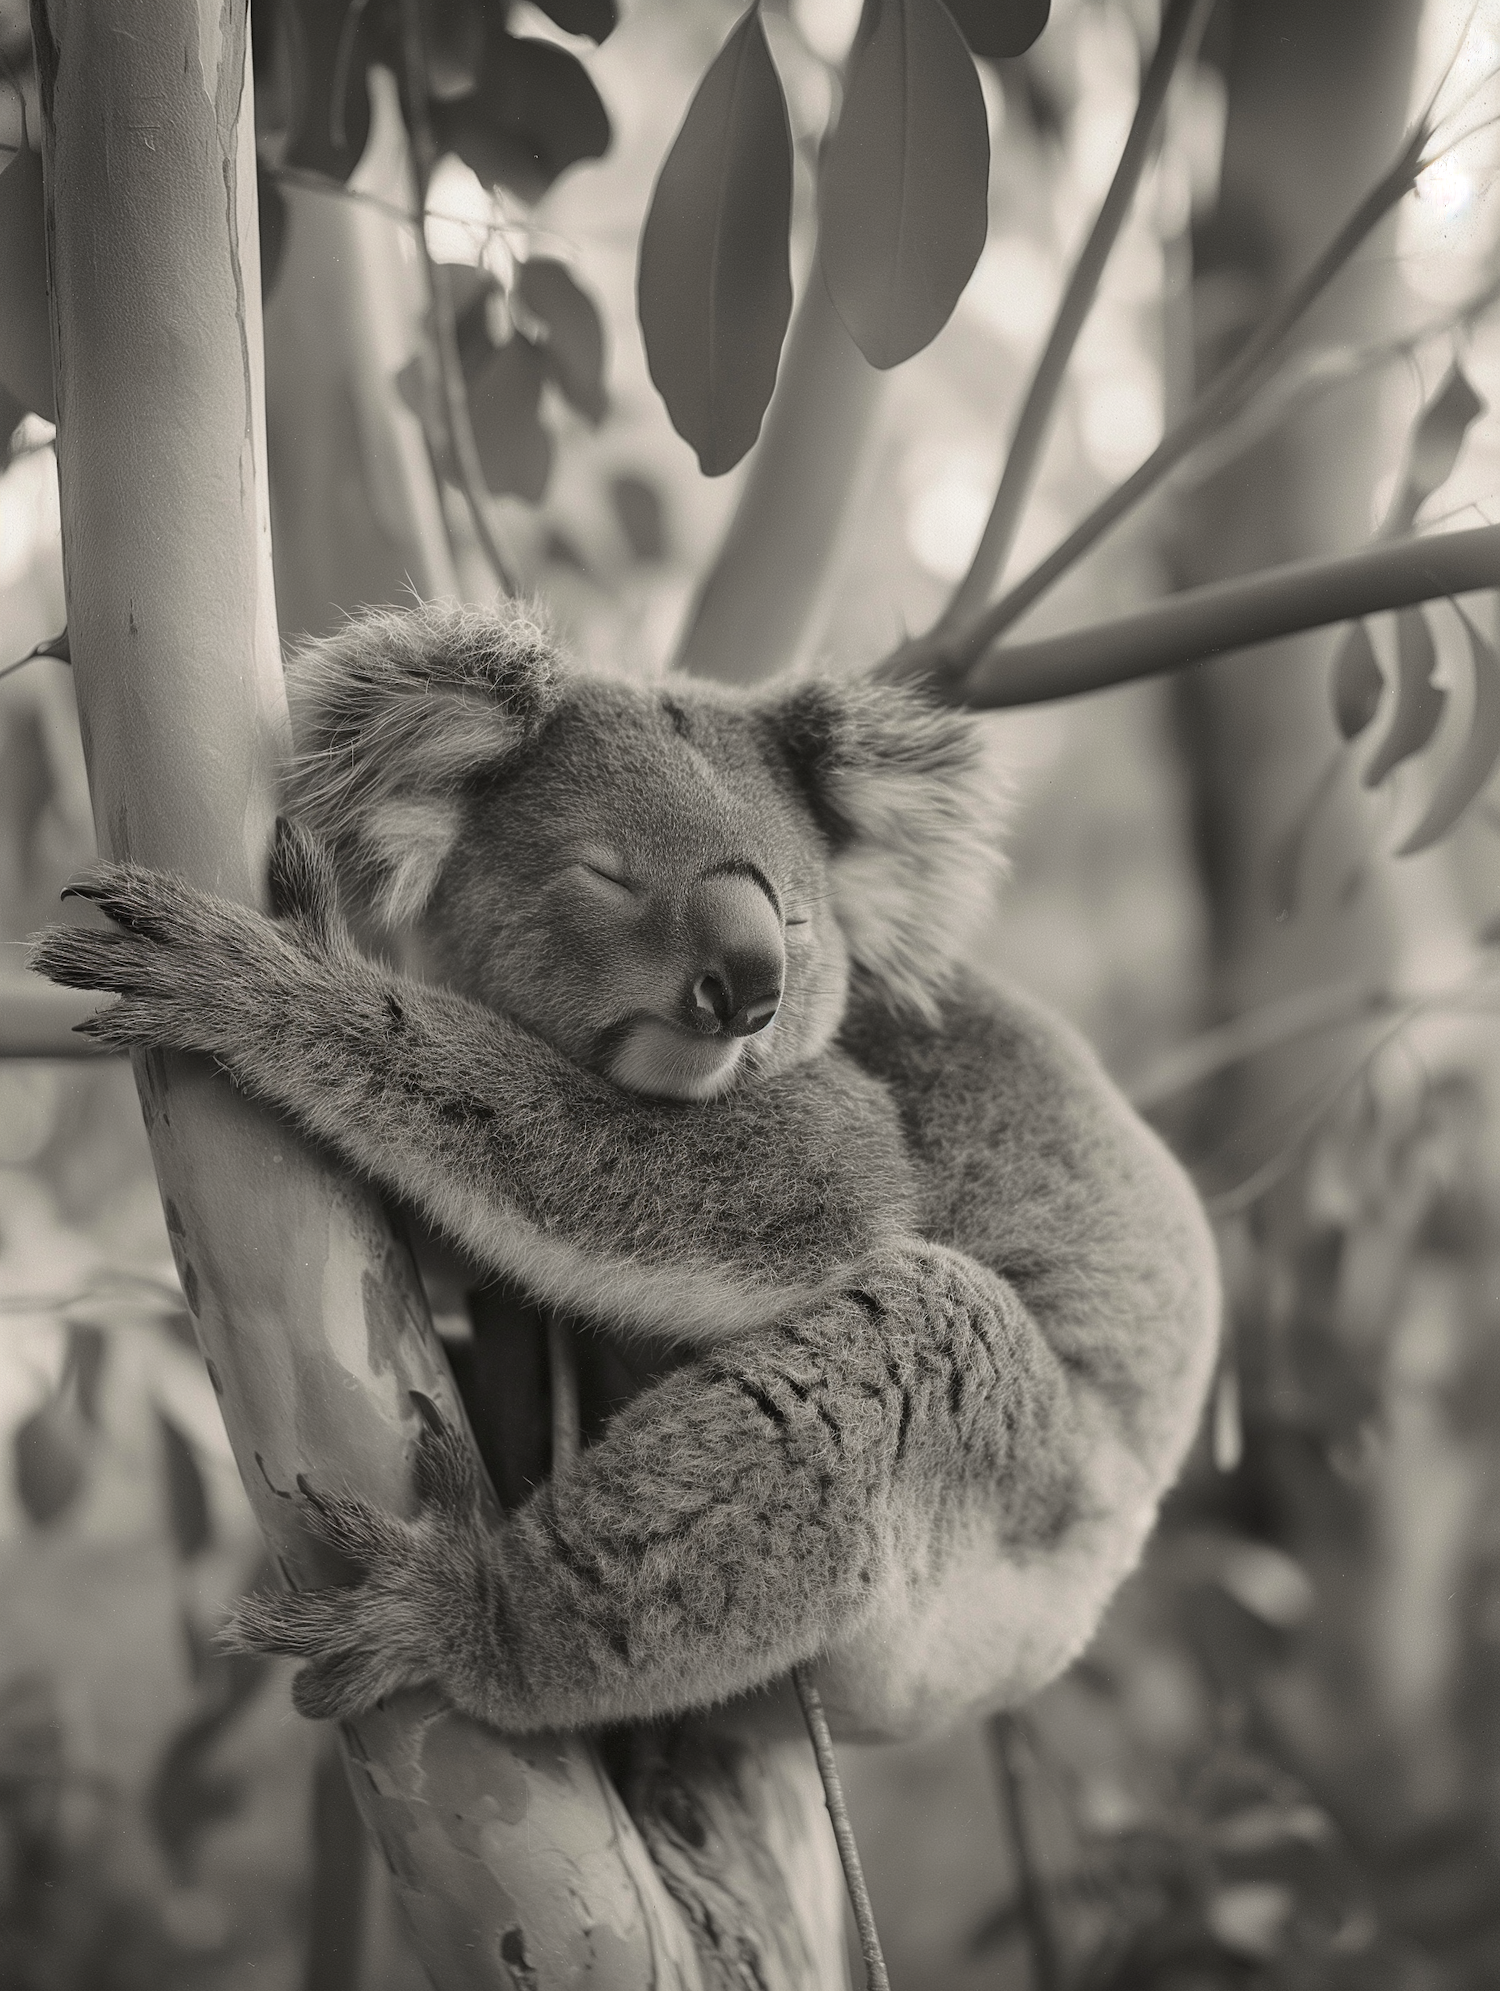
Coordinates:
[173,952]
[419,1610]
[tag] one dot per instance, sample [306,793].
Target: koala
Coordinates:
[652,1000]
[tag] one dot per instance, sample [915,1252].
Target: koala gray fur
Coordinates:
[952,1306]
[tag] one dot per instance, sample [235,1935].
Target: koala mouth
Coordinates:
[665,1061]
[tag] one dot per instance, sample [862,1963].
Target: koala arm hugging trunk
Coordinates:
[952,1306]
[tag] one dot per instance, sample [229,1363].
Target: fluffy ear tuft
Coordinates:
[914,802]
[392,717]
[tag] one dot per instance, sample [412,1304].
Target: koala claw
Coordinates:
[391,1630]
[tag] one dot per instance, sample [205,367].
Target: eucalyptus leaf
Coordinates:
[534,114]
[1419,702]
[515,450]
[574,350]
[331,101]
[1355,682]
[904,191]
[1000,28]
[1475,763]
[594,18]
[186,1496]
[714,286]
[49,1453]
[1436,441]
[25,333]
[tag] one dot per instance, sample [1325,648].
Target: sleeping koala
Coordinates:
[678,1039]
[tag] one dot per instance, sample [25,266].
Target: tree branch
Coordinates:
[1205,622]
[1031,1889]
[1180,30]
[463,451]
[38,1019]
[1223,397]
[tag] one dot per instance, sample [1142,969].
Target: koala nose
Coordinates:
[741,998]
[734,985]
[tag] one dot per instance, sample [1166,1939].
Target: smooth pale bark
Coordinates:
[356,510]
[1317,107]
[310,1317]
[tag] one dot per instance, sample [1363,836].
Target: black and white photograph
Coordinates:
[749,995]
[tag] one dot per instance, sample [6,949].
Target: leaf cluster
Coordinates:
[518,109]
[903,189]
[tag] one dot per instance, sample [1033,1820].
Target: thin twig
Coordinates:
[1327,1096]
[463,451]
[50,646]
[1318,372]
[876,1978]
[562,1376]
[1031,1892]
[1180,30]
[1204,622]
[510,229]
[1222,398]
[1273,1025]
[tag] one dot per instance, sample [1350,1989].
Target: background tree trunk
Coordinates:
[1318,97]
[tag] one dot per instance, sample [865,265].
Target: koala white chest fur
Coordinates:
[690,1053]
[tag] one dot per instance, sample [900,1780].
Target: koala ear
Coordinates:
[392,718]
[913,802]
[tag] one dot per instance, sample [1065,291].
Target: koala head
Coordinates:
[673,884]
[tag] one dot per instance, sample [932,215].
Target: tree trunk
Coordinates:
[515,1861]
[1318,97]
[355,511]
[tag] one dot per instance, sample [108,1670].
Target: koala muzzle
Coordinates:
[737,980]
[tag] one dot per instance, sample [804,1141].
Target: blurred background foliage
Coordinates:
[1279,1763]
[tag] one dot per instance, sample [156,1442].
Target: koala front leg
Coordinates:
[733,1519]
[750,1511]
[655,1214]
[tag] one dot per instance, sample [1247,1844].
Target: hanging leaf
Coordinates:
[1476,762]
[905,186]
[50,1449]
[50,1454]
[1435,444]
[1419,703]
[642,517]
[535,113]
[515,451]
[455,42]
[594,18]
[575,336]
[469,293]
[714,287]
[186,1495]
[25,334]
[330,121]
[12,414]
[189,1791]
[1000,28]
[1355,682]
